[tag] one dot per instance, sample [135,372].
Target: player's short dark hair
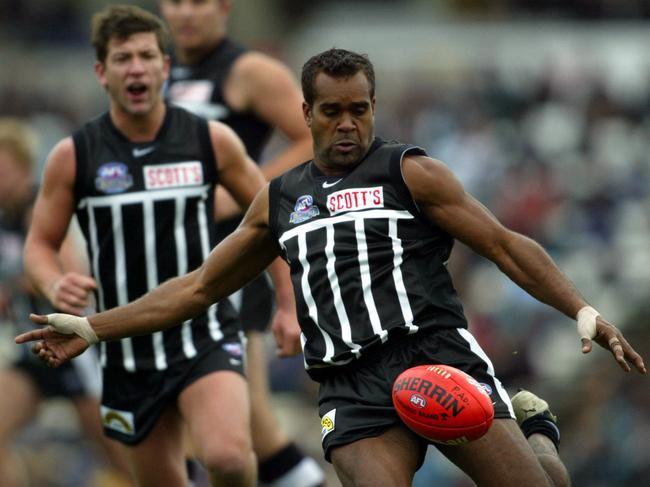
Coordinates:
[122,21]
[337,63]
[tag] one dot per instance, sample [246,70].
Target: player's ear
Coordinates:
[100,72]
[167,63]
[306,112]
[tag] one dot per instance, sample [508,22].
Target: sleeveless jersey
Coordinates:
[146,211]
[366,265]
[199,89]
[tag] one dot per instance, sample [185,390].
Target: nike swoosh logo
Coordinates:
[329,185]
[144,151]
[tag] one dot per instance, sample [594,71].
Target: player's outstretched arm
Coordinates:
[444,201]
[233,263]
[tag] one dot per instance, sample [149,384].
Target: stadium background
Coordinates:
[544,114]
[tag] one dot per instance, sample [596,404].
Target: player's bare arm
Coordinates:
[442,198]
[238,174]
[266,87]
[67,291]
[234,262]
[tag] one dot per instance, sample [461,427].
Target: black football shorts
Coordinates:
[132,402]
[355,400]
[78,378]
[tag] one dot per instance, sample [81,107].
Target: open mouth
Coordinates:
[137,90]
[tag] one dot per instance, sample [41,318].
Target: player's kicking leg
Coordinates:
[539,426]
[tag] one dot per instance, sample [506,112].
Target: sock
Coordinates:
[290,468]
[543,425]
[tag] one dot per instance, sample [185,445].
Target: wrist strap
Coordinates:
[72,325]
[587,322]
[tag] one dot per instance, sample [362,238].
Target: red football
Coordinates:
[442,404]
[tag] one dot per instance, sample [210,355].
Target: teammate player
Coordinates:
[141,180]
[367,228]
[217,78]
[28,381]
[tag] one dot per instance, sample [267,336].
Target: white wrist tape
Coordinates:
[587,322]
[72,325]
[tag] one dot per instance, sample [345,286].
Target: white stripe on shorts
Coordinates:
[476,348]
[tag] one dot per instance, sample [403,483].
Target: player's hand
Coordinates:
[610,338]
[286,331]
[52,347]
[71,293]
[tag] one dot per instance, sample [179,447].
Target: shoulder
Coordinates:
[253,64]
[224,139]
[255,70]
[429,180]
[403,148]
[63,152]
[61,161]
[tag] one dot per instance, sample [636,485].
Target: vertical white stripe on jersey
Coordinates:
[101,305]
[476,348]
[366,282]
[120,280]
[398,251]
[213,323]
[309,299]
[151,261]
[346,331]
[181,268]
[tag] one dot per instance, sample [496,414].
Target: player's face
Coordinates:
[341,120]
[134,72]
[195,24]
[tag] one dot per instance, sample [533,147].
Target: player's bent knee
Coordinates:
[228,459]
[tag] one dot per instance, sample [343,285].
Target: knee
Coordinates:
[231,460]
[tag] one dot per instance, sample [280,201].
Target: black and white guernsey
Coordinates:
[366,265]
[146,211]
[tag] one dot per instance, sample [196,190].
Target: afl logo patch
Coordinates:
[304,209]
[113,177]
